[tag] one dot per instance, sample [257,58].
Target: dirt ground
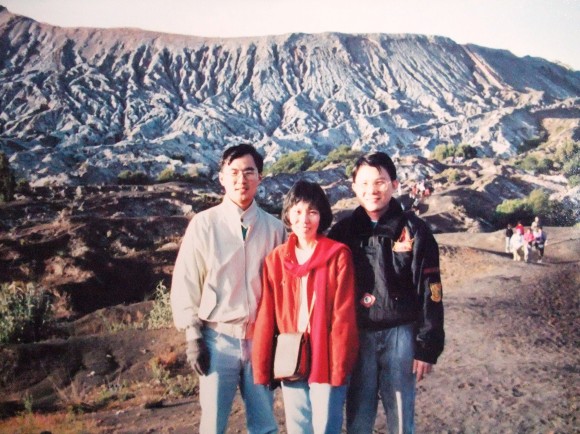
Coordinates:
[510,364]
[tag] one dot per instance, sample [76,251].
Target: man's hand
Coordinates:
[420,369]
[198,356]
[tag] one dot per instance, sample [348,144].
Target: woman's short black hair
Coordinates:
[238,151]
[312,194]
[376,160]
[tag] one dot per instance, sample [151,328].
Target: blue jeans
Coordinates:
[313,408]
[230,367]
[385,369]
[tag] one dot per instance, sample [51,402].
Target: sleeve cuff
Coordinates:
[192,333]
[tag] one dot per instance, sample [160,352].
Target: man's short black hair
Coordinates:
[376,160]
[238,151]
[312,194]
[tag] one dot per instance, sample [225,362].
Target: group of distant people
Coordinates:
[369,293]
[520,241]
[419,191]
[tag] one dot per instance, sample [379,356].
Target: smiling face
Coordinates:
[304,220]
[374,188]
[240,179]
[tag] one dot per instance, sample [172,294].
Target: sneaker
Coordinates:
[539,261]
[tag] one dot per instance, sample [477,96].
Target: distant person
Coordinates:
[398,297]
[309,273]
[540,241]
[536,223]
[216,289]
[520,228]
[529,240]
[508,234]
[518,247]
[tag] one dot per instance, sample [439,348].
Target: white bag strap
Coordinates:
[310,312]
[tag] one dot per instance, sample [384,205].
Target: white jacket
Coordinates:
[217,275]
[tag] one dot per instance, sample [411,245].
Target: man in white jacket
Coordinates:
[216,289]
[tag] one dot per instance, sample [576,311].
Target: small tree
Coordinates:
[441,152]
[466,151]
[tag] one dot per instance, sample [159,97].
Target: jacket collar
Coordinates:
[390,224]
[234,214]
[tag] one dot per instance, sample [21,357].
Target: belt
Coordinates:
[238,331]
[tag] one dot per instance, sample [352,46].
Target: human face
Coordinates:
[240,179]
[374,188]
[304,221]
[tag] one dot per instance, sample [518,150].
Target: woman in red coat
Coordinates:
[309,272]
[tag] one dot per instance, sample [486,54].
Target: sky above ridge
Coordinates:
[542,28]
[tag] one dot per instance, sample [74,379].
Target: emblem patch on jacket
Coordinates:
[436,291]
[404,243]
[367,300]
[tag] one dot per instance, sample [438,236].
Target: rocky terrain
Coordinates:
[509,364]
[79,106]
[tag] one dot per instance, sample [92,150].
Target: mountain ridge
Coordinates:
[80,105]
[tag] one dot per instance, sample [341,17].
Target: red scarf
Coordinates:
[325,249]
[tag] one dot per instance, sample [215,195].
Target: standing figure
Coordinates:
[518,246]
[398,298]
[309,286]
[508,234]
[529,240]
[216,289]
[540,241]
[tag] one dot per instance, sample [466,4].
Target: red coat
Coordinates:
[279,308]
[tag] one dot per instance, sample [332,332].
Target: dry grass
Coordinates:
[34,423]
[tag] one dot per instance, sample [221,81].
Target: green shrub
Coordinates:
[342,155]
[572,166]
[574,180]
[441,152]
[538,203]
[567,151]
[160,315]
[535,164]
[25,310]
[128,177]
[451,174]
[168,174]
[529,163]
[293,162]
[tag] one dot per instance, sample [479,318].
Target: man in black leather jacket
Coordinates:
[399,298]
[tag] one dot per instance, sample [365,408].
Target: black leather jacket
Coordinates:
[397,275]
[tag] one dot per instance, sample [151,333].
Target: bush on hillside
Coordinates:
[293,162]
[535,164]
[538,203]
[160,315]
[24,312]
[342,155]
[452,175]
[572,166]
[567,151]
[441,152]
